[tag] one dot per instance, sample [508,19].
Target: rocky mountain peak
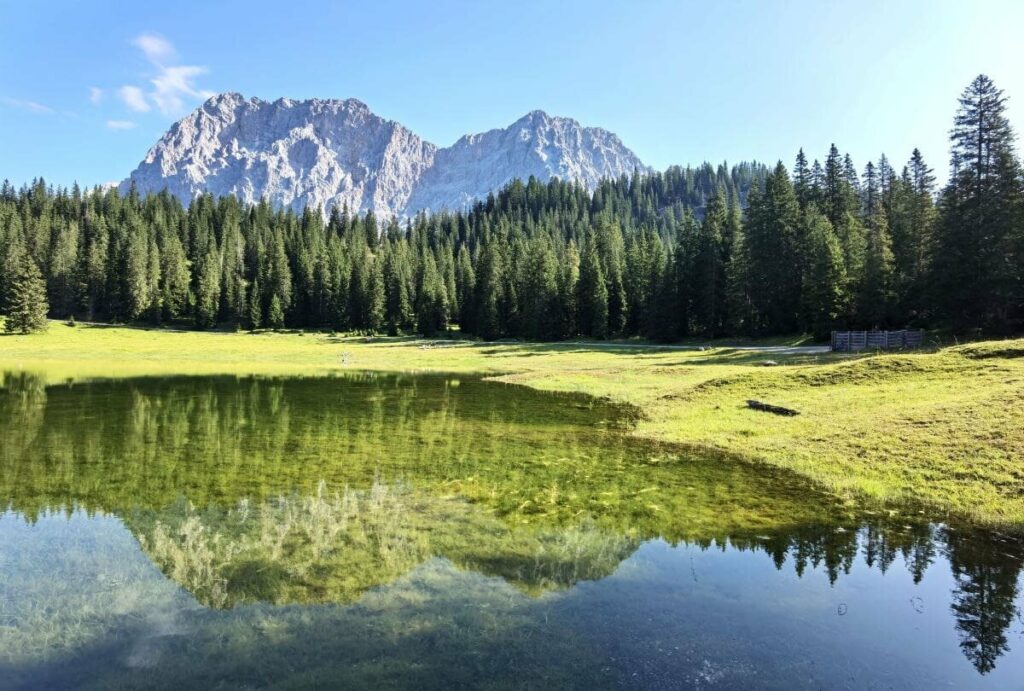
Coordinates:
[330,152]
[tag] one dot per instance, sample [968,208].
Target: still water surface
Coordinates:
[435,532]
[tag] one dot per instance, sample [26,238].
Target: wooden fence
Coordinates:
[852,341]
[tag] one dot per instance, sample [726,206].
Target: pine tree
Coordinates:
[398,307]
[208,285]
[737,284]
[877,290]
[255,313]
[568,292]
[465,281]
[708,277]
[611,252]
[63,270]
[153,310]
[976,265]
[275,316]
[279,282]
[26,297]
[137,285]
[824,277]
[802,182]
[174,276]
[593,295]
[234,306]
[490,276]
[912,221]
[538,304]
[772,260]
[373,294]
[97,238]
[431,298]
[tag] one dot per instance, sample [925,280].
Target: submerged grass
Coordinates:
[942,428]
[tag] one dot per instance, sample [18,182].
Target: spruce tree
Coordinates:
[538,302]
[275,315]
[593,296]
[255,312]
[135,280]
[708,277]
[174,276]
[568,292]
[398,306]
[824,276]
[26,297]
[487,298]
[64,284]
[773,255]
[208,285]
[613,264]
[912,221]
[373,294]
[465,281]
[877,289]
[431,299]
[976,262]
[802,182]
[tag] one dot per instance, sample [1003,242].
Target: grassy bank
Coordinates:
[945,428]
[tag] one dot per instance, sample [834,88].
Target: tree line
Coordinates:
[703,252]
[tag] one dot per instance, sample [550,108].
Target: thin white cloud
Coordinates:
[120,124]
[158,50]
[172,85]
[30,106]
[134,98]
[95,94]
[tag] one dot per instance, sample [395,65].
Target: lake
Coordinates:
[439,532]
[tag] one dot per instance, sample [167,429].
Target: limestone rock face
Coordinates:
[327,153]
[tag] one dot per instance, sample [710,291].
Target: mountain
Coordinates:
[332,152]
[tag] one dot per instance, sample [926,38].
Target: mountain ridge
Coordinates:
[334,152]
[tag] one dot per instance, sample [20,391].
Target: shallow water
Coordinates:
[436,532]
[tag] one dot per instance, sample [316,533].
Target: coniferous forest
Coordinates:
[702,252]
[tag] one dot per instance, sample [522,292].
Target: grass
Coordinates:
[943,428]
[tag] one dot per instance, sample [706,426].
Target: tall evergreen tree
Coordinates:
[64,281]
[538,302]
[708,274]
[772,246]
[912,221]
[275,316]
[593,295]
[490,277]
[568,292]
[398,307]
[208,285]
[824,277]
[465,281]
[803,185]
[255,313]
[877,289]
[26,296]
[431,298]
[976,265]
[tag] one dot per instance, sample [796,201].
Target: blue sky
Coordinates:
[87,87]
